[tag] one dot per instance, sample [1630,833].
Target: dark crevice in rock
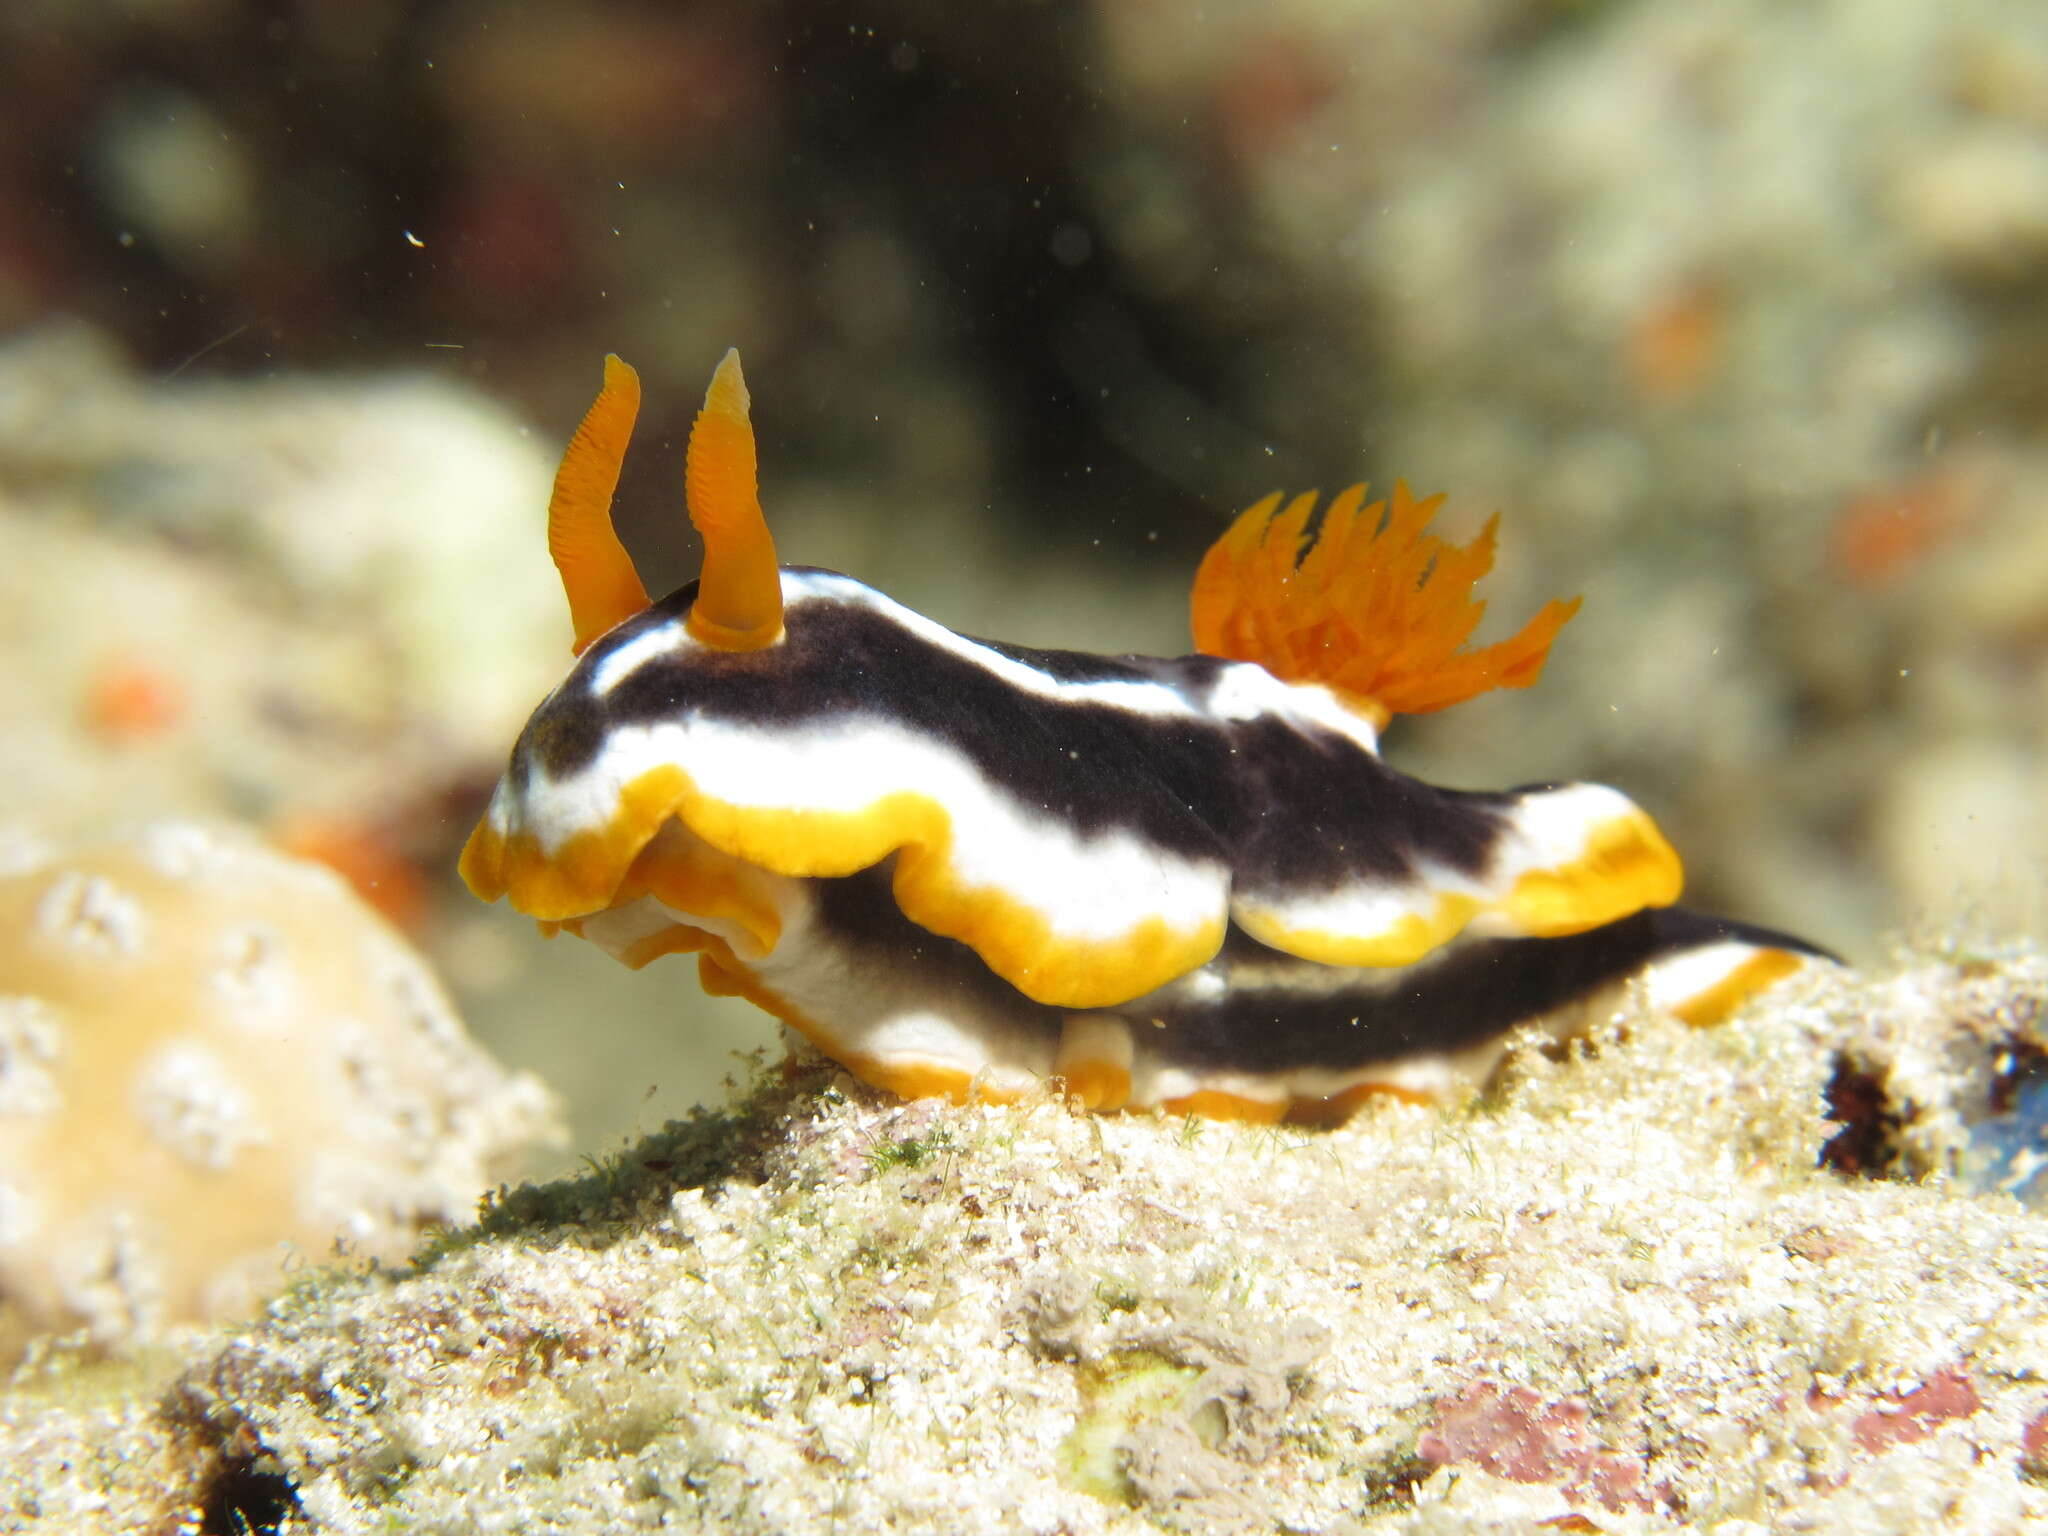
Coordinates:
[247,1498]
[1867,1145]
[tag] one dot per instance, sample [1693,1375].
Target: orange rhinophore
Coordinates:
[739,601]
[597,573]
[1372,606]
[739,596]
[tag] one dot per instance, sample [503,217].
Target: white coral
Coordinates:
[210,1054]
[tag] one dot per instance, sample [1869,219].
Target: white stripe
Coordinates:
[1364,908]
[1096,888]
[1545,830]
[1139,697]
[636,652]
[1242,690]
[1674,981]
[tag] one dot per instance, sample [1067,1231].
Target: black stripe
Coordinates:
[860,913]
[1292,809]
[1473,993]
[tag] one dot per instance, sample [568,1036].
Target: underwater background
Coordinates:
[1738,314]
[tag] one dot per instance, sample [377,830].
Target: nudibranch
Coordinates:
[967,868]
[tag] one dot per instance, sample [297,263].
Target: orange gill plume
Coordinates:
[597,573]
[1373,606]
[739,596]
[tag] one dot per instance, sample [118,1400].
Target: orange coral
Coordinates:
[1882,533]
[1371,605]
[1676,343]
[130,698]
[371,858]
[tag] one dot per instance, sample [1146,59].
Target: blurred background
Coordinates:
[1737,313]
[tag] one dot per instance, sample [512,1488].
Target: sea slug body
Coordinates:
[968,868]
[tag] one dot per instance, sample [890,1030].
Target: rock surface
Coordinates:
[1639,1287]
